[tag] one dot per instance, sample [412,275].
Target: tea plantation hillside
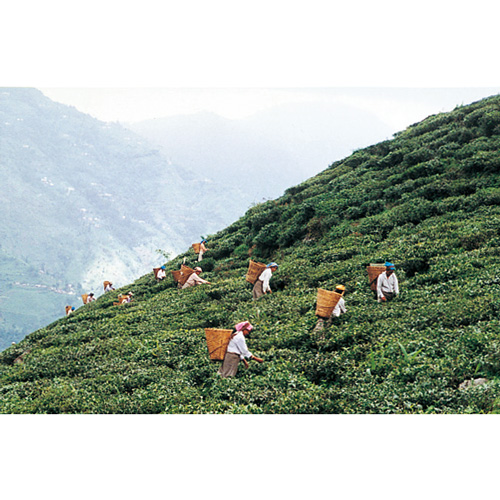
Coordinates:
[427,200]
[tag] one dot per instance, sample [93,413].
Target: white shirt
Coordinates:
[193,280]
[238,345]
[339,308]
[387,284]
[265,277]
[160,274]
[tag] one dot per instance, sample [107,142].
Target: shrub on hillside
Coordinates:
[437,221]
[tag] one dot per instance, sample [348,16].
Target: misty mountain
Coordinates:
[83,202]
[266,153]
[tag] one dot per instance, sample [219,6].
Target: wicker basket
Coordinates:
[374,270]
[186,272]
[106,283]
[176,275]
[255,269]
[196,247]
[326,302]
[217,341]
[84,297]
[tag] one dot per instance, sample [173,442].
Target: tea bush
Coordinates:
[429,200]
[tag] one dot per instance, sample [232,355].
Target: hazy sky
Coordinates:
[398,107]
[125,56]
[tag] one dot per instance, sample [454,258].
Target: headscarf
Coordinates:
[244,325]
[272,264]
[390,266]
[197,269]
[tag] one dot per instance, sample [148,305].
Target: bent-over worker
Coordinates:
[108,287]
[90,298]
[195,279]
[387,284]
[237,350]
[261,286]
[337,310]
[161,273]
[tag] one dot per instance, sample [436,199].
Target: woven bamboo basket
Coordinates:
[106,283]
[217,341]
[186,272]
[196,247]
[155,271]
[84,297]
[176,275]
[255,269]
[326,302]
[374,270]
[122,299]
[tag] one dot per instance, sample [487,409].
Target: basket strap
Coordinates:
[218,347]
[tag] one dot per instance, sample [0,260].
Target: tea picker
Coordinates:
[387,283]
[237,350]
[160,273]
[329,305]
[88,298]
[261,286]
[340,307]
[108,286]
[124,299]
[202,250]
[194,279]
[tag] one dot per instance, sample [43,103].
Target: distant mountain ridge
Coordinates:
[267,152]
[84,201]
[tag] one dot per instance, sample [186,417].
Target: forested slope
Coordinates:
[428,200]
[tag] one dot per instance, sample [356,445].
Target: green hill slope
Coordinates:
[84,201]
[428,200]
